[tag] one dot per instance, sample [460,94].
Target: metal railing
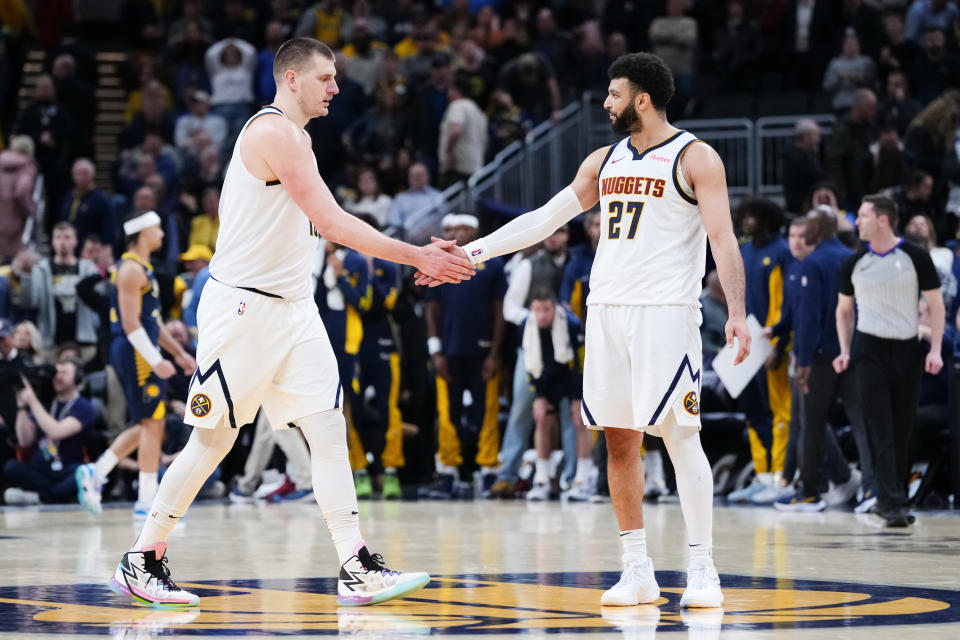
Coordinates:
[525,174]
[773,137]
[733,140]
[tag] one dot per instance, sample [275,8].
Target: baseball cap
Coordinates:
[6,328]
[197,252]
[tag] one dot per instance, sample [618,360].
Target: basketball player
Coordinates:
[662,193]
[261,340]
[142,370]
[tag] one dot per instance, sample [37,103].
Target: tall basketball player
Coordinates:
[261,340]
[662,193]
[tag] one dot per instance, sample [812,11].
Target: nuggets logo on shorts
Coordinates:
[200,405]
[690,404]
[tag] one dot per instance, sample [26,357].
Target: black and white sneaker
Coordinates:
[143,575]
[365,580]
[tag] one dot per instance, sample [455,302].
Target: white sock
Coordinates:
[182,481]
[634,543]
[326,433]
[148,486]
[104,465]
[542,474]
[701,554]
[694,486]
[584,469]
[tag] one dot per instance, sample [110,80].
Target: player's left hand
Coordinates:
[442,261]
[737,328]
[934,363]
[186,362]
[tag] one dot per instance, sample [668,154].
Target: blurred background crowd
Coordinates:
[113,108]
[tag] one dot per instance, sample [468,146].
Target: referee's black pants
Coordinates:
[888,375]
[823,386]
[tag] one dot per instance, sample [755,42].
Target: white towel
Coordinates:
[560,334]
[335,300]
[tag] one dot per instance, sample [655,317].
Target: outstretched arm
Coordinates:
[537,225]
[273,148]
[704,171]
[532,227]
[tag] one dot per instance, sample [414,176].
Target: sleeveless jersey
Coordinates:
[266,242]
[149,301]
[653,245]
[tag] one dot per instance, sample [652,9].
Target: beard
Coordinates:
[627,121]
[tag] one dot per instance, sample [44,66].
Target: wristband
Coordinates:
[434,346]
[141,342]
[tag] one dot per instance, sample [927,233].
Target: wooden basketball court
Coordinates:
[500,570]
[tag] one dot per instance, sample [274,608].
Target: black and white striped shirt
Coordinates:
[886,288]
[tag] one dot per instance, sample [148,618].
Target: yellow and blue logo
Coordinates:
[501,604]
[200,405]
[690,404]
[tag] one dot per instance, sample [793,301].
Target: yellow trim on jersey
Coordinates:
[367,300]
[391,300]
[354,331]
[130,255]
[677,170]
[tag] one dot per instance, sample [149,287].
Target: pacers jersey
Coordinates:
[149,301]
[653,245]
[266,242]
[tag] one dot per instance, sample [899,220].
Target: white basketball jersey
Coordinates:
[653,245]
[266,242]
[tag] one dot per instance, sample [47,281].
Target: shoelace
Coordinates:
[159,570]
[374,562]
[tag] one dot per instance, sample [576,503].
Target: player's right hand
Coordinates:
[443,261]
[164,369]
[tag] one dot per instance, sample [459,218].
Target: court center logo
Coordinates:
[501,604]
[200,405]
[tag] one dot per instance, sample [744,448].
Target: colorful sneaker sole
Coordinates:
[122,590]
[414,582]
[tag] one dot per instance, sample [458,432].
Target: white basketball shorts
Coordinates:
[641,363]
[256,350]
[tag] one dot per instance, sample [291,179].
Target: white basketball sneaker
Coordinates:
[88,489]
[637,585]
[143,575]
[703,587]
[365,580]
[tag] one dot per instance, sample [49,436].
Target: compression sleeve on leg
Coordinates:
[527,229]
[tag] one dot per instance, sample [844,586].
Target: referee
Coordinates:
[885,279]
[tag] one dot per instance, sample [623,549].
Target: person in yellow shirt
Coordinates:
[206,224]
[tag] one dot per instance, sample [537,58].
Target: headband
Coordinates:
[141,222]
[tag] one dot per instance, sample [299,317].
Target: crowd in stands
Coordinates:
[429,92]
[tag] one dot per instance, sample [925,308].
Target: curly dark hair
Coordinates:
[646,73]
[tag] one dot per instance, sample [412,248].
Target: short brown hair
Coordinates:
[294,53]
[884,206]
[64,226]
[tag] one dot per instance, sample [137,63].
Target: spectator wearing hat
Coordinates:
[198,118]
[196,259]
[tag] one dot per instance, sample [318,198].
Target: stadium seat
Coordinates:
[738,104]
[789,102]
